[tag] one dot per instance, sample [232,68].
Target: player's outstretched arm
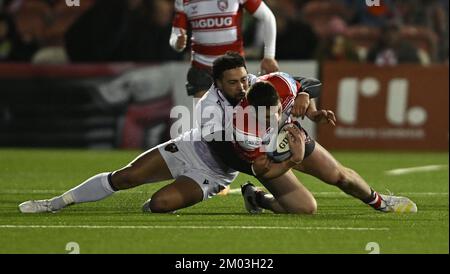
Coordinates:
[323,117]
[309,85]
[301,105]
[265,15]
[320,116]
[309,89]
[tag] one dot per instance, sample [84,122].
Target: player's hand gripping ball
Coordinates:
[279,149]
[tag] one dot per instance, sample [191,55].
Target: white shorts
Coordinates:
[182,160]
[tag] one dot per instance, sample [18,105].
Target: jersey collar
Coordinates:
[222,97]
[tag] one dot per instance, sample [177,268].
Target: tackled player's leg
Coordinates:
[322,165]
[289,196]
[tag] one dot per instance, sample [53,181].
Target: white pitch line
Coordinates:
[233,191]
[423,193]
[402,171]
[193,227]
[341,194]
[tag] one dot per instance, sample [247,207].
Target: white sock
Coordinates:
[93,189]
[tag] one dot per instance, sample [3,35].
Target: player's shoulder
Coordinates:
[252,78]
[211,100]
[281,80]
[209,111]
[179,4]
[250,5]
[278,74]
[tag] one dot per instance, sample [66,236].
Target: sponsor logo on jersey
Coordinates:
[248,144]
[207,23]
[222,5]
[172,148]
[194,10]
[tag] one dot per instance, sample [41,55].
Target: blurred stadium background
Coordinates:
[103,76]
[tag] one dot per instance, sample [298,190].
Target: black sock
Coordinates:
[110,182]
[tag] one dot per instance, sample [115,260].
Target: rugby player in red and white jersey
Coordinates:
[216,28]
[284,98]
[291,100]
[201,167]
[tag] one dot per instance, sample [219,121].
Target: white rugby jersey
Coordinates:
[216,27]
[213,114]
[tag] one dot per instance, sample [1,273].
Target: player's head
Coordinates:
[263,94]
[230,76]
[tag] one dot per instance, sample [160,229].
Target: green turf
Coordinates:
[37,174]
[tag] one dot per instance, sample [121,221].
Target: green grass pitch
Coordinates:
[221,224]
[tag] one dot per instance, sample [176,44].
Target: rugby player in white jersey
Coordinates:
[216,27]
[200,165]
[294,98]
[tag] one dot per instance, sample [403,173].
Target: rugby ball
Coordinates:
[279,150]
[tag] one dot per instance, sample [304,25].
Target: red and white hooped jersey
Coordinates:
[215,24]
[248,141]
[286,87]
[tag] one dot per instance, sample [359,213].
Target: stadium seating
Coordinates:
[363,38]
[319,13]
[47,24]
[49,106]
[424,39]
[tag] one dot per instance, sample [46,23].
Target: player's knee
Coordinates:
[342,177]
[160,204]
[308,208]
[304,211]
[311,207]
